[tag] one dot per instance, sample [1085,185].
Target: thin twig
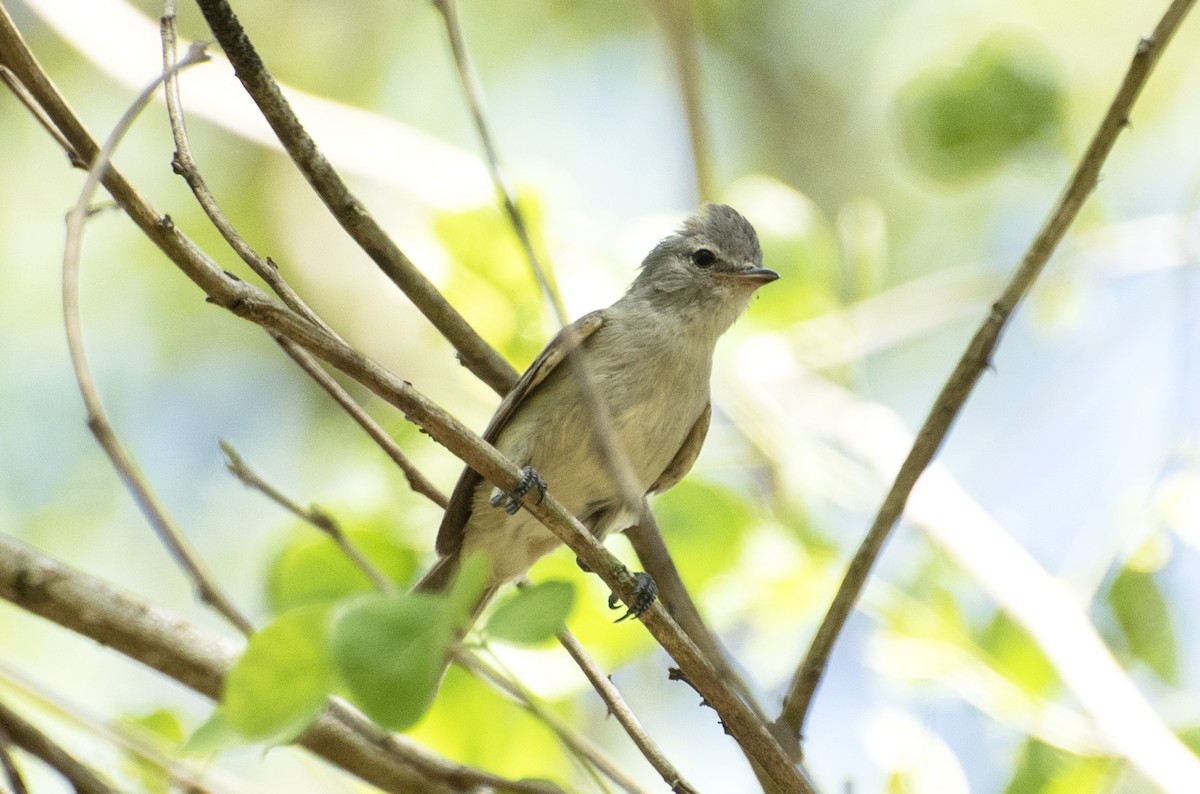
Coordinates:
[23,734]
[184,164]
[416,480]
[678,20]
[620,709]
[345,207]
[253,304]
[582,747]
[22,95]
[474,96]
[312,515]
[130,739]
[97,418]
[11,773]
[975,360]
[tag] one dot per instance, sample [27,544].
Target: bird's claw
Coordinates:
[645,591]
[511,502]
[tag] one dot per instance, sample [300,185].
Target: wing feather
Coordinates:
[459,509]
[685,458]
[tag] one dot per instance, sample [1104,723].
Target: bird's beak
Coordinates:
[754,275]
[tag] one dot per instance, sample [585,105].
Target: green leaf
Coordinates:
[1142,613]
[965,122]
[499,736]
[280,684]
[534,614]
[213,736]
[1018,657]
[1042,769]
[491,283]
[311,569]
[161,727]
[390,652]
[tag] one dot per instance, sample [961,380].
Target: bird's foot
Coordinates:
[645,592]
[511,502]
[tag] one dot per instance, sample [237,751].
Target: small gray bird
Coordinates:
[649,359]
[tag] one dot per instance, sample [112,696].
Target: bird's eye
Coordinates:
[703,257]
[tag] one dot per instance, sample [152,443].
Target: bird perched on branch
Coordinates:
[633,378]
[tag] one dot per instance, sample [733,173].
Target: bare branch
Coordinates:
[416,480]
[580,745]
[22,95]
[186,774]
[23,734]
[473,351]
[678,20]
[651,549]
[975,360]
[185,165]
[98,421]
[11,773]
[313,515]
[624,714]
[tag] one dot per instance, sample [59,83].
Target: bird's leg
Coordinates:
[511,502]
[645,591]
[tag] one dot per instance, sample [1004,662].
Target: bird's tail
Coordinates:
[439,578]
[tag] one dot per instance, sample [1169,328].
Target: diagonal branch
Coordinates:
[678,20]
[416,479]
[313,515]
[23,734]
[970,368]
[473,351]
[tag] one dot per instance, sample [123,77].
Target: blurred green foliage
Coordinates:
[310,568]
[963,123]
[1144,618]
[281,681]
[164,730]
[492,284]
[704,524]
[1044,769]
[532,615]
[527,747]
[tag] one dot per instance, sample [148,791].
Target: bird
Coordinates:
[648,359]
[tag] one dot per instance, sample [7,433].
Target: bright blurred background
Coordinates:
[897,156]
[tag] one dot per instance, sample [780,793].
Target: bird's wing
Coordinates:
[459,510]
[682,463]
